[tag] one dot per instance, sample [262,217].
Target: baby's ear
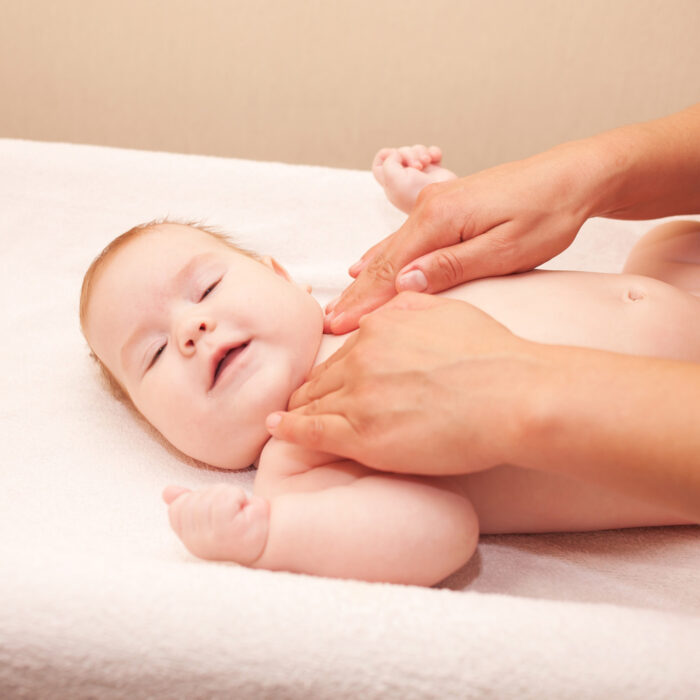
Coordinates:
[279,270]
[275,267]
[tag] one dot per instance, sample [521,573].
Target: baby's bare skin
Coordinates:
[625,313]
[317,513]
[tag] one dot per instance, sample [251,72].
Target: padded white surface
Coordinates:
[99,599]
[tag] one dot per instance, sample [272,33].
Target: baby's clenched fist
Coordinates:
[220,522]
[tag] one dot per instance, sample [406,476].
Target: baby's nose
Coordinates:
[191,330]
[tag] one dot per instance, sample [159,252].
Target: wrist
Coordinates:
[613,157]
[595,170]
[542,410]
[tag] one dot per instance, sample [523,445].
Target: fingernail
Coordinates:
[273,420]
[413,281]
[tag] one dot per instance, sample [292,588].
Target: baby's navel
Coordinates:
[635,293]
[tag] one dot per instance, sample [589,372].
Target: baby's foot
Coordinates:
[219,522]
[404,172]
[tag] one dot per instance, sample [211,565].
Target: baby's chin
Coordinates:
[238,437]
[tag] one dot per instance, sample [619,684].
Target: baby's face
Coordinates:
[205,340]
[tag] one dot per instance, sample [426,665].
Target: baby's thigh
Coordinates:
[670,253]
[510,499]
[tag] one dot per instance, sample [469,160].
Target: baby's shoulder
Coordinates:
[287,459]
[301,469]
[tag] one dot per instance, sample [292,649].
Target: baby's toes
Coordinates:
[435,153]
[408,159]
[381,156]
[420,153]
[378,164]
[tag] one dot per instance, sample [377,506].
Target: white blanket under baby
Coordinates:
[98,599]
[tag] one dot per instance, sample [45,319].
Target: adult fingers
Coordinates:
[325,378]
[360,265]
[326,433]
[376,283]
[490,254]
[324,384]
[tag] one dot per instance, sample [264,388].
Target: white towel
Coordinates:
[99,599]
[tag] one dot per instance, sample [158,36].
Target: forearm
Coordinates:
[379,528]
[642,171]
[629,423]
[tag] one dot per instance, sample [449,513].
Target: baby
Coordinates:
[206,340]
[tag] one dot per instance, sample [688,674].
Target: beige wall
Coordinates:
[329,82]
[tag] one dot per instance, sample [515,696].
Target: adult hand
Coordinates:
[427,386]
[507,219]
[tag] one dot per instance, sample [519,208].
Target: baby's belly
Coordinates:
[618,312]
[623,313]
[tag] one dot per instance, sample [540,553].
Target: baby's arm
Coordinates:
[404,172]
[341,520]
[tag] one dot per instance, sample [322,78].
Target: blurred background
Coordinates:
[328,82]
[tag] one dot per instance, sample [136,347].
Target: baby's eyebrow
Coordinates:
[176,282]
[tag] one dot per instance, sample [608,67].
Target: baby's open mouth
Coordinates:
[227,358]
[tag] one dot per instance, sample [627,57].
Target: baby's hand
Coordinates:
[219,522]
[404,172]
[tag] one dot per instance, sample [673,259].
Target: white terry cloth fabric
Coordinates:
[98,599]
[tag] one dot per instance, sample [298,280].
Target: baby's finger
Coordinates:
[227,501]
[170,493]
[175,513]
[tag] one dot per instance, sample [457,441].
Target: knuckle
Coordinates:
[505,252]
[382,268]
[428,200]
[313,407]
[449,266]
[315,430]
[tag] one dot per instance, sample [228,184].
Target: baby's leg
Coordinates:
[671,253]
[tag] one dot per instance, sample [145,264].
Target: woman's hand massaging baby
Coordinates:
[170,301]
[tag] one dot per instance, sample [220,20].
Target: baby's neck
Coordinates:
[329,344]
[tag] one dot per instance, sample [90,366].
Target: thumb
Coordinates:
[171,493]
[486,255]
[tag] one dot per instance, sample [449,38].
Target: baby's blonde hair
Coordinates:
[99,262]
